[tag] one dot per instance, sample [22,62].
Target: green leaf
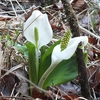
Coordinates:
[64,72]
[8,37]
[22,49]
[43,50]
[26,54]
[16,32]
[32,62]
[45,59]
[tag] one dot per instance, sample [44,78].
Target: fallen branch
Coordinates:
[71,17]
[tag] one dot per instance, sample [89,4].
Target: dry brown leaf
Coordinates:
[4,18]
[79,5]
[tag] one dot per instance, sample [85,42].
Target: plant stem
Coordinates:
[46,74]
[70,15]
[37,64]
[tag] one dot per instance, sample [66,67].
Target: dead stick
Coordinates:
[70,15]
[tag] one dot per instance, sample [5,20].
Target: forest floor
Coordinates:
[13,54]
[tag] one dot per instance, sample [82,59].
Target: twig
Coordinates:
[18,75]
[5,12]
[13,8]
[94,94]
[21,6]
[88,32]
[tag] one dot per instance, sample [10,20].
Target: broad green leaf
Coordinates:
[64,72]
[45,60]
[32,62]
[43,50]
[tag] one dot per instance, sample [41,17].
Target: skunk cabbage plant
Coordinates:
[57,63]
[37,31]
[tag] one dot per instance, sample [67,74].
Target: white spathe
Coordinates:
[58,55]
[39,20]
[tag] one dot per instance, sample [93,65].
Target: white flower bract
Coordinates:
[39,20]
[58,55]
